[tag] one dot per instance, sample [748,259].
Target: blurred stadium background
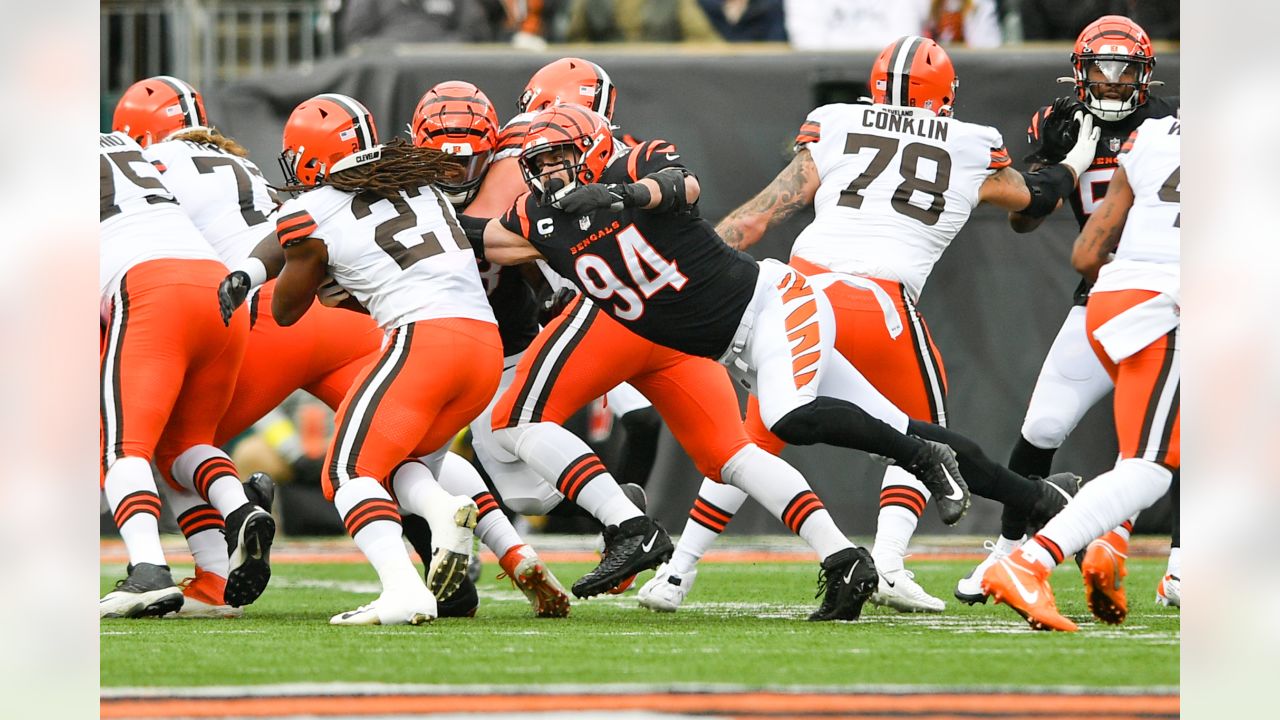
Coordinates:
[993,303]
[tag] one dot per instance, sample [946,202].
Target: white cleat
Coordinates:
[969,588]
[451,531]
[899,590]
[1169,591]
[667,590]
[398,608]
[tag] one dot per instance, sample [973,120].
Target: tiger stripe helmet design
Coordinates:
[584,131]
[327,134]
[914,72]
[571,81]
[457,118]
[152,110]
[1121,50]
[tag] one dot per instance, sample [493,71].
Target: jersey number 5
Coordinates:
[599,280]
[385,233]
[885,149]
[124,161]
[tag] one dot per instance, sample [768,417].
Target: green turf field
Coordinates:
[743,624]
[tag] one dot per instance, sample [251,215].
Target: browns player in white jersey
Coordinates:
[1133,324]
[225,195]
[892,183]
[168,366]
[371,218]
[1112,67]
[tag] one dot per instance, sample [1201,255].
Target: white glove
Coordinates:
[1081,155]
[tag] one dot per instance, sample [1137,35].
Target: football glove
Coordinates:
[554,304]
[596,196]
[1058,132]
[232,291]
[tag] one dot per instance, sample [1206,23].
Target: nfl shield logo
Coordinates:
[1114,144]
[584,222]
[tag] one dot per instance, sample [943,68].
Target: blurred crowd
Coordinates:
[804,24]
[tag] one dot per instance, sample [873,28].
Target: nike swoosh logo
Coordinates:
[1029,597]
[672,157]
[956,493]
[848,577]
[649,545]
[887,581]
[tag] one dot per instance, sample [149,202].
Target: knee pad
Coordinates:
[1046,433]
[801,426]
[530,500]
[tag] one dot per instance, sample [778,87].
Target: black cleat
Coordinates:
[250,530]
[637,544]
[261,490]
[935,466]
[462,603]
[846,582]
[1055,492]
[148,591]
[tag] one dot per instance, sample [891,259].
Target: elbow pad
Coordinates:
[671,190]
[473,228]
[1047,186]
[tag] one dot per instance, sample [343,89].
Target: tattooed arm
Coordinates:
[791,190]
[1101,234]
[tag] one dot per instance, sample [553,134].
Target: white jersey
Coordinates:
[225,195]
[405,260]
[897,184]
[1148,256]
[140,219]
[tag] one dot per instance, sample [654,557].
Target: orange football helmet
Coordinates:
[457,118]
[153,109]
[327,134]
[585,132]
[1121,50]
[573,81]
[914,72]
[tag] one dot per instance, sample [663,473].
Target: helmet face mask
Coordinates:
[455,117]
[584,148]
[1113,56]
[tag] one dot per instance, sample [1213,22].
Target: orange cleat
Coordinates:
[1103,570]
[533,578]
[202,597]
[1023,585]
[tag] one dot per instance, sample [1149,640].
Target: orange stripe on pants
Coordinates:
[1147,408]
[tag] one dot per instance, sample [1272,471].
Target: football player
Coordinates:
[1112,66]
[168,367]
[892,183]
[1132,321]
[443,355]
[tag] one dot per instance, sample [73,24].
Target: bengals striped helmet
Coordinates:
[1120,53]
[327,134]
[151,110]
[457,118]
[583,132]
[571,81]
[914,72]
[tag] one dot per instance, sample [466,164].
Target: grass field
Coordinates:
[743,625]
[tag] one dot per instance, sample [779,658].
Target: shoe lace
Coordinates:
[185,582]
[822,583]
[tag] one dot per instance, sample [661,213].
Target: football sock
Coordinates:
[1175,495]
[782,490]
[492,527]
[554,452]
[135,504]
[985,477]
[208,472]
[416,488]
[373,522]
[203,528]
[1042,550]
[1106,502]
[1125,529]
[902,501]
[1006,545]
[833,421]
[1175,563]
[712,510]
[1026,460]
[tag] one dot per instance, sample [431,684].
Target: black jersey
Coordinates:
[668,277]
[1094,181]
[514,306]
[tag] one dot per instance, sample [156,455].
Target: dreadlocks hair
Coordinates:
[210,136]
[402,166]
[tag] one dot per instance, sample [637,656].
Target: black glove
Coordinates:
[597,197]
[232,291]
[554,304]
[1058,132]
